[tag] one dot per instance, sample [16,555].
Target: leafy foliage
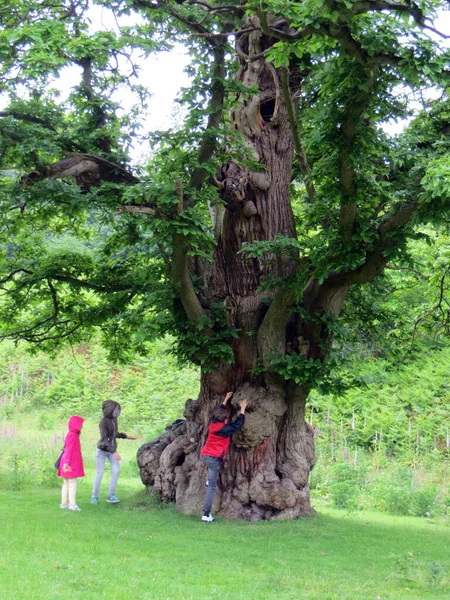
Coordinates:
[123,254]
[152,390]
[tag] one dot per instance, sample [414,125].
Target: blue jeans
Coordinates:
[213,465]
[100,458]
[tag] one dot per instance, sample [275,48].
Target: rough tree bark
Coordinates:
[265,474]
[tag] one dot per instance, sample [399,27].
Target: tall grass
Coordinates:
[152,391]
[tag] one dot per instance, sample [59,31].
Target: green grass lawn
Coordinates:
[142,550]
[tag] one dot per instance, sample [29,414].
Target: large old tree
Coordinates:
[244,230]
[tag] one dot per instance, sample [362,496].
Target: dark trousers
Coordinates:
[213,465]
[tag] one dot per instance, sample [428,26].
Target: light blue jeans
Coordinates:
[100,458]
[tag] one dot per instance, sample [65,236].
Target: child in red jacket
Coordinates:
[71,464]
[216,447]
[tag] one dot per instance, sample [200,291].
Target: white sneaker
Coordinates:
[74,507]
[63,506]
[207,518]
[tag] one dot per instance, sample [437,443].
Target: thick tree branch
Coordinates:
[182,282]
[376,260]
[410,7]
[354,48]
[352,118]
[54,296]
[180,268]
[215,108]
[298,144]
[25,117]
[278,34]
[136,209]
[87,170]
[271,336]
[399,268]
[242,54]
[380,5]
[67,279]
[11,275]
[108,289]
[398,219]
[234,9]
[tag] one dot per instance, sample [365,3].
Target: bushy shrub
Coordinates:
[345,484]
[387,497]
[15,474]
[424,502]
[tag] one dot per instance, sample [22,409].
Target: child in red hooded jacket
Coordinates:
[216,447]
[71,464]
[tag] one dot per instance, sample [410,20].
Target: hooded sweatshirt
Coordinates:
[108,428]
[72,451]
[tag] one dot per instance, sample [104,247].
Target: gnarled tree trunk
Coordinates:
[265,474]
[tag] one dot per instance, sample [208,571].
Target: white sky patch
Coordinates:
[396,126]
[161,73]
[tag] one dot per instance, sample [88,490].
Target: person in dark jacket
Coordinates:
[107,449]
[216,447]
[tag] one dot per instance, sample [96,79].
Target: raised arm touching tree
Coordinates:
[248,225]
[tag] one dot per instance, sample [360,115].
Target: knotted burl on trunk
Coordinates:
[264,475]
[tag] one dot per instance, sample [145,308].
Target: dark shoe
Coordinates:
[112,499]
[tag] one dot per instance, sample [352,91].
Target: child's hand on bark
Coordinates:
[227,397]
[243,406]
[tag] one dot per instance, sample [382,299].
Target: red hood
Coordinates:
[75,424]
